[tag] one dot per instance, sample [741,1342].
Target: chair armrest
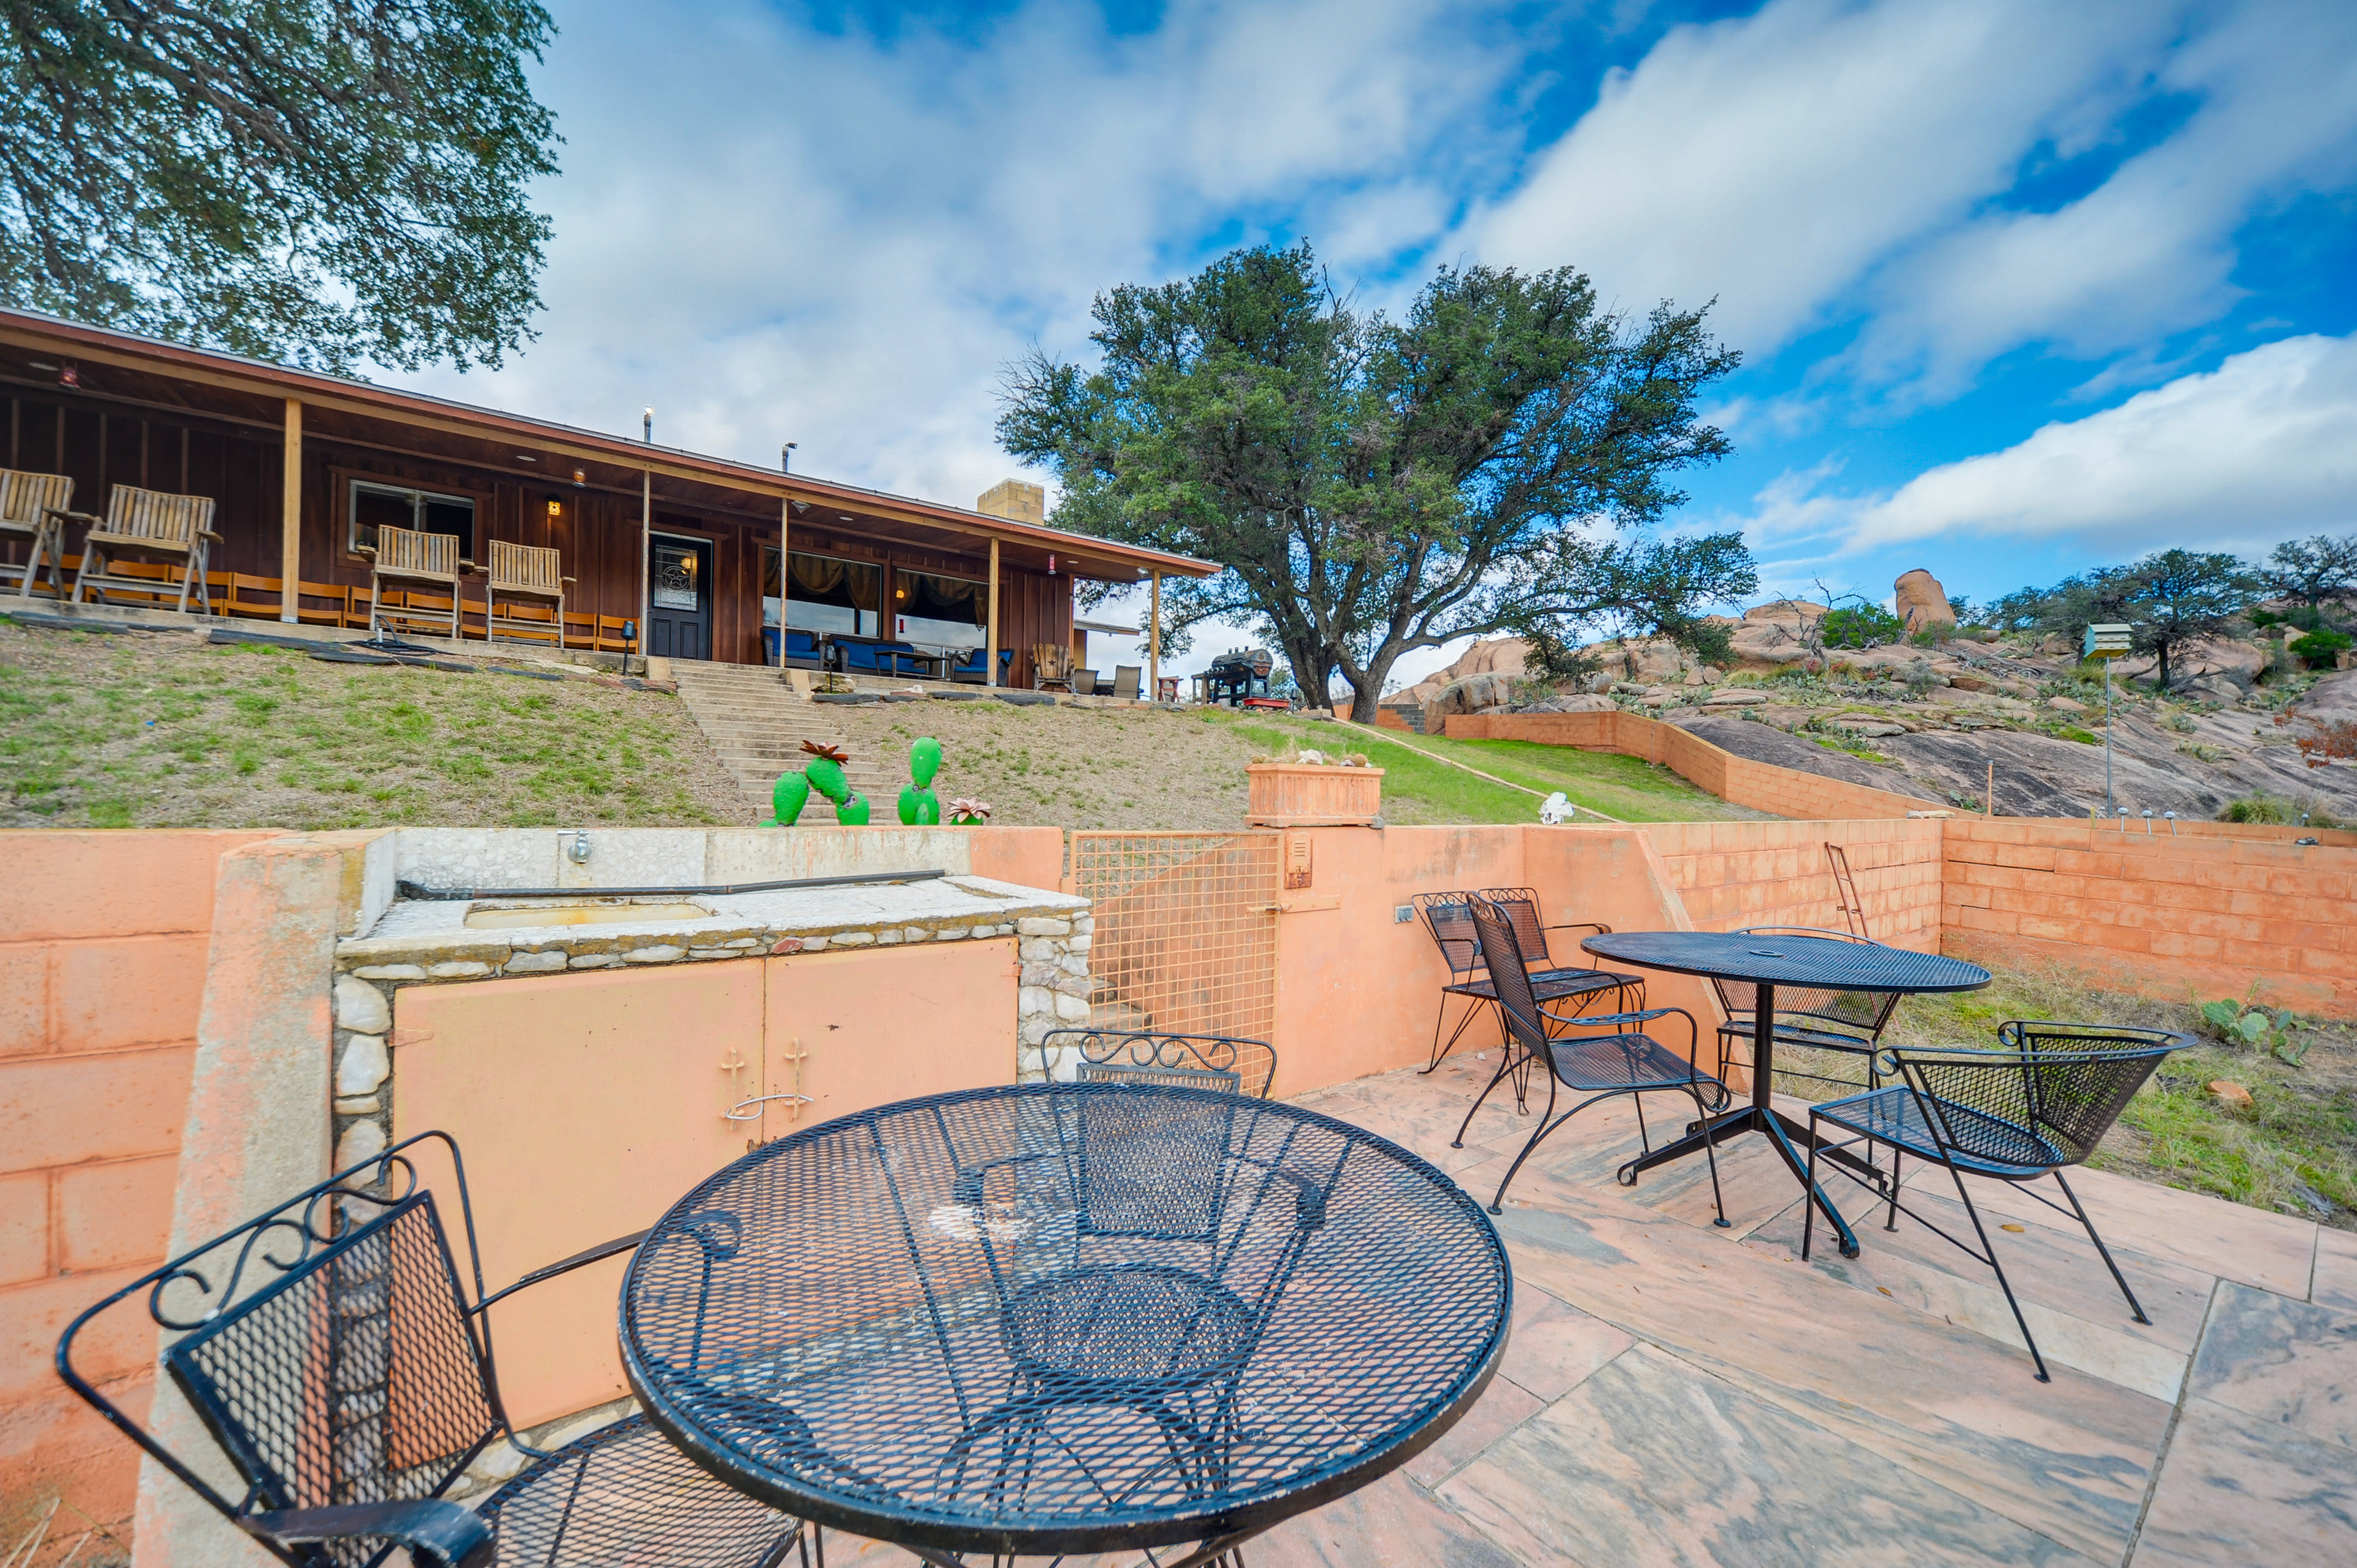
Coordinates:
[367,552]
[440,1532]
[569,579]
[209,533]
[1598,927]
[578,1260]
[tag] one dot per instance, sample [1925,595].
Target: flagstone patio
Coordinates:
[1675,1393]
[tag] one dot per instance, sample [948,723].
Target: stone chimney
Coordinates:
[1015,500]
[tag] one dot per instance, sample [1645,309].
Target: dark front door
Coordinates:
[679,598]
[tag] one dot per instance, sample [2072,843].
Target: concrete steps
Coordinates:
[755,723]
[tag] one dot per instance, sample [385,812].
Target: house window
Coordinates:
[828,593]
[387,506]
[937,611]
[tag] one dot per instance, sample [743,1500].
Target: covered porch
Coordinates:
[658,550]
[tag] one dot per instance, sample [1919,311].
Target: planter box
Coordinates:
[1298,795]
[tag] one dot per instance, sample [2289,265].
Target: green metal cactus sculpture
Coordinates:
[920,807]
[823,773]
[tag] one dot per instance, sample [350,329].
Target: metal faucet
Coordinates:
[578,850]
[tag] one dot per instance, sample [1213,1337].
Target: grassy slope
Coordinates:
[142,731]
[1620,787]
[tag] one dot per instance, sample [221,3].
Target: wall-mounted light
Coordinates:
[70,376]
[580,478]
[556,506]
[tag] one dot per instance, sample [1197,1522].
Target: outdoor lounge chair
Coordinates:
[1601,1067]
[1126,679]
[2042,1102]
[529,574]
[404,557]
[1084,683]
[1849,1023]
[33,508]
[1448,917]
[173,531]
[1145,1056]
[344,1364]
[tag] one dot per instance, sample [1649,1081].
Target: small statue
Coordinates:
[823,772]
[920,807]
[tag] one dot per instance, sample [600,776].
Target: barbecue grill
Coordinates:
[1238,673]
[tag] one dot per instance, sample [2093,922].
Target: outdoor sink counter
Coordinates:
[433,940]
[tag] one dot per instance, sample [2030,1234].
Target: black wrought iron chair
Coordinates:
[1449,918]
[1137,1257]
[2013,1115]
[1226,1062]
[1817,1019]
[336,1354]
[1626,1062]
[1851,907]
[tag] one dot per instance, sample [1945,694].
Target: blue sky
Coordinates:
[2021,287]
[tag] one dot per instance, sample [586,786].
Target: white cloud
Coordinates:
[774,233]
[2260,449]
[1773,160]
[2151,250]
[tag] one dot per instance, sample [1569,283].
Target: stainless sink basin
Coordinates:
[501,914]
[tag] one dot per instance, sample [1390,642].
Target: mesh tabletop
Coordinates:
[1790,961]
[1065,1318]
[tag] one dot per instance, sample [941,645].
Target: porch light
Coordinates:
[580,477]
[556,506]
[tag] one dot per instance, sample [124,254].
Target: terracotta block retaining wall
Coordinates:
[2162,914]
[1739,780]
[1733,875]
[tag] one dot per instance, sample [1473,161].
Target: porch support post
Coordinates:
[646,542]
[785,528]
[1154,642]
[290,515]
[990,653]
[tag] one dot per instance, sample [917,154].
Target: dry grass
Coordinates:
[164,731]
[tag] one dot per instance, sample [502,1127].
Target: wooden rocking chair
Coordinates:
[148,526]
[1051,666]
[407,556]
[33,508]
[529,573]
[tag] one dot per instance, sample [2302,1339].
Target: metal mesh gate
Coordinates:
[1186,930]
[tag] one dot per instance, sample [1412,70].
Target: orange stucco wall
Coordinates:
[102,943]
[1357,988]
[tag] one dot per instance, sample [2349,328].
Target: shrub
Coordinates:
[2258,808]
[1861,626]
[2320,649]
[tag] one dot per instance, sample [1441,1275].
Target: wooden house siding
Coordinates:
[237,462]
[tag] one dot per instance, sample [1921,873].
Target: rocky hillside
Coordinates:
[1928,717]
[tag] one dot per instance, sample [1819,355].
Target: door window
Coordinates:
[674,583]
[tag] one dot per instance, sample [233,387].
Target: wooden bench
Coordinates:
[530,574]
[407,555]
[148,525]
[33,508]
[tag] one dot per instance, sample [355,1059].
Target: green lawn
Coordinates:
[1418,788]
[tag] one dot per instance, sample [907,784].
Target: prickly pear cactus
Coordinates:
[851,812]
[825,771]
[920,807]
[787,799]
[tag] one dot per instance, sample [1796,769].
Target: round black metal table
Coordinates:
[1765,962]
[1065,1318]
